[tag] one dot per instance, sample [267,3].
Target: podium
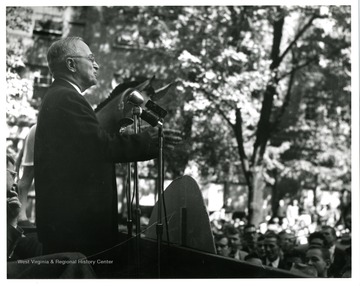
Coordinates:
[187,218]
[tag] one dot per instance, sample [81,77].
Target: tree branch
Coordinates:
[301,32]
[295,68]
[222,113]
[217,106]
[286,102]
[275,51]
[240,140]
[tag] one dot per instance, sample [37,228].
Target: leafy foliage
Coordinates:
[226,59]
[19,18]
[20,111]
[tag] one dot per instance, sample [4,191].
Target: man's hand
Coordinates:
[13,205]
[171,137]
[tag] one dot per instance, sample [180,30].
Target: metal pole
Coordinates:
[136,114]
[159,226]
[128,198]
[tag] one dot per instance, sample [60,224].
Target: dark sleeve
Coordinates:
[13,237]
[28,246]
[80,122]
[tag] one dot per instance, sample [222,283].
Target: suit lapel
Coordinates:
[65,84]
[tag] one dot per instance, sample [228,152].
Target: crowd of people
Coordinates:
[306,247]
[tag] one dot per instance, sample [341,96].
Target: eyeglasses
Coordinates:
[12,173]
[91,57]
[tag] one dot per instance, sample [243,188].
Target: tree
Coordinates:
[20,107]
[211,75]
[242,73]
[322,146]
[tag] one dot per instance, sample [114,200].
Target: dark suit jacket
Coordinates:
[283,265]
[20,246]
[76,196]
[340,259]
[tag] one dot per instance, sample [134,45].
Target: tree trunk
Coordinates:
[253,174]
[264,126]
[257,197]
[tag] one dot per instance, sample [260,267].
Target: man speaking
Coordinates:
[76,197]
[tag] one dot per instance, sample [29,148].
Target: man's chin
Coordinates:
[92,83]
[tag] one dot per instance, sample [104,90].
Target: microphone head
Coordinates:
[149,117]
[135,97]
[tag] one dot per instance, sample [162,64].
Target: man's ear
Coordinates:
[70,64]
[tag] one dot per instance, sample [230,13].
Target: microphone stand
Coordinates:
[136,114]
[124,122]
[159,226]
[156,118]
[152,120]
[128,197]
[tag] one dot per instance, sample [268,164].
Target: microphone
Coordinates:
[134,97]
[157,109]
[154,115]
[150,118]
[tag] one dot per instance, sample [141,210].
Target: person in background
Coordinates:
[233,235]
[26,182]
[222,245]
[281,211]
[287,245]
[294,258]
[314,239]
[260,248]
[250,236]
[19,246]
[338,256]
[302,268]
[292,212]
[274,225]
[13,207]
[318,257]
[346,270]
[272,250]
[22,248]
[317,239]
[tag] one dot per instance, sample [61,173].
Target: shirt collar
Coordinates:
[332,252]
[274,263]
[75,86]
